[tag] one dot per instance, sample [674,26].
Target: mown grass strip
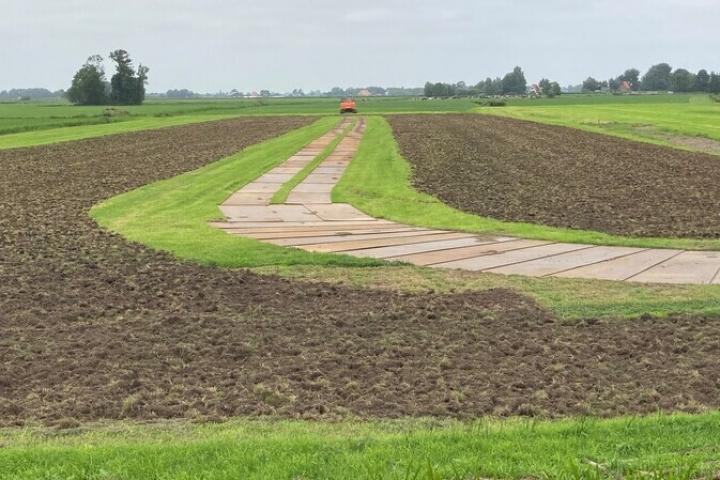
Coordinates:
[282,194]
[378,183]
[657,446]
[68,134]
[172,215]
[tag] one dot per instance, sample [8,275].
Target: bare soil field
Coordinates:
[94,327]
[524,171]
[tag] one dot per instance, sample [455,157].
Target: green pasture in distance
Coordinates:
[639,117]
[29,116]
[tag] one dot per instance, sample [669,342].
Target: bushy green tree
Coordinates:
[514,83]
[555,90]
[591,85]
[127,86]
[682,81]
[702,81]
[89,85]
[714,83]
[544,85]
[632,76]
[657,77]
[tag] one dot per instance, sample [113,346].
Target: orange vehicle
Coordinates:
[347,105]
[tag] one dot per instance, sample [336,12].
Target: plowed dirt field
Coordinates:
[523,171]
[93,327]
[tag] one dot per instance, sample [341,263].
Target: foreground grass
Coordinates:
[378,182]
[173,215]
[659,446]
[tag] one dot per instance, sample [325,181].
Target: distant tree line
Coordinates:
[182,93]
[660,77]
[513,83]
[126,87]
[30,93]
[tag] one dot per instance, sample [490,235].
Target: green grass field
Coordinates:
[654,447]
[32,123]
[641,117]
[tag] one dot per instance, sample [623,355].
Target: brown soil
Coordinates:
[94,327]
[524,171]
[700,144]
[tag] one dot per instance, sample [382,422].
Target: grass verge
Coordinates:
[659,446]
[282,194]
[172,215]
[68,134]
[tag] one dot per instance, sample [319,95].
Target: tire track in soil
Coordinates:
[94,327]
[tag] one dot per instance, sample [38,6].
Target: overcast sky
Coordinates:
[213,45]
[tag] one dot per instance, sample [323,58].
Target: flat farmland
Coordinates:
[681,120]
[527,172]
[21,121]
[136,334]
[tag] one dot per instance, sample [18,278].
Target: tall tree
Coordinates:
[514,83]
[702,81]
[127,86]
[555,90]
[657,77]
[544,85]
[89,84]
[142,76]
[682,81]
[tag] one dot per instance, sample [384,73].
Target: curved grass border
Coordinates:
[282,194]
[172,215]
[378,183]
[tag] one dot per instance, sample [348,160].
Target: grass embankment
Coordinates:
[672,447]
[173,215]
[282,194]
[649,118]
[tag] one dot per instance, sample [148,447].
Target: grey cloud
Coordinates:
[209,45]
